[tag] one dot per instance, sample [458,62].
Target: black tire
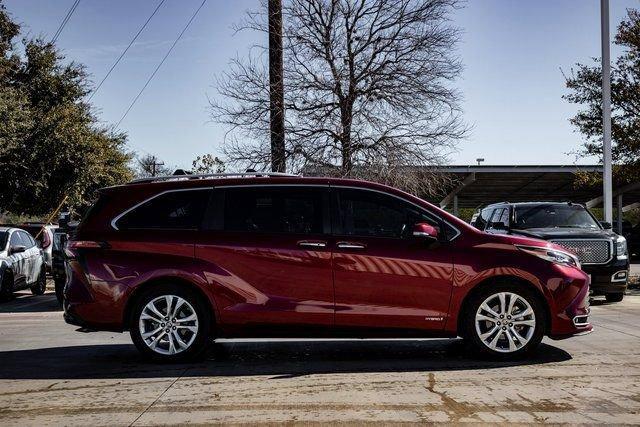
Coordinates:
[40,287]
[198,345]
[472,336]
[615,297]
[59,287]
[6,287]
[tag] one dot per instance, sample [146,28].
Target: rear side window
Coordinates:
[174,210]
[27,240]
[274,210]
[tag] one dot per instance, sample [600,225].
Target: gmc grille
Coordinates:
[588,251]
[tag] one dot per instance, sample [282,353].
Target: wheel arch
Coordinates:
[491,281]
[141,288]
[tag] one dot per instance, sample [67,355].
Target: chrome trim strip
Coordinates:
[610,242]
[115,219]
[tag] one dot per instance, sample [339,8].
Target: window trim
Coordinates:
[114,221]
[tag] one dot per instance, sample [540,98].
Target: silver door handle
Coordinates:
[312,244]
[350,245]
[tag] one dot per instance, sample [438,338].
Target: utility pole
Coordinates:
[606,112]
[276,87]
[154,165]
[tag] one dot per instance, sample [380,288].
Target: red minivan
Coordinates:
[178,261]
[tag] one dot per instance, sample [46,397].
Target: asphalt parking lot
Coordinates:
[51,374]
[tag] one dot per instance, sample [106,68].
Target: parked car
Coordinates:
[21,263]
[602,253]
[43,235]
[180,261]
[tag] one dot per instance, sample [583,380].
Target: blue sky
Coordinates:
[513,52]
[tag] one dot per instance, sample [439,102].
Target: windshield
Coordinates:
[3,239]
[553,216]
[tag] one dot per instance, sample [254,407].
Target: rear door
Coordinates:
[265,250]
[384,278]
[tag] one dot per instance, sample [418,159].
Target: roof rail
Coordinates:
[209,175]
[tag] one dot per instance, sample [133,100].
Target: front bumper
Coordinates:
[603,280]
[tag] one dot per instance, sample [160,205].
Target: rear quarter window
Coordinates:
[173,210]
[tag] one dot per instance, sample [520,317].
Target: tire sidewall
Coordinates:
[40,286]
[478,298]
[204,323]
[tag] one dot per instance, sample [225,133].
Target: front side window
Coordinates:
[174,210]
[499,220]
[274,210]
[15,239]
[371,214]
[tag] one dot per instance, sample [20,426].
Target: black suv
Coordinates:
[602,253]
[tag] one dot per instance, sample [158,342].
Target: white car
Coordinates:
[21,263]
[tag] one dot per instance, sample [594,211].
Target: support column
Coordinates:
[455,205]
[619,208]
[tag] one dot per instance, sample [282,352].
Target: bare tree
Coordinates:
[368,91]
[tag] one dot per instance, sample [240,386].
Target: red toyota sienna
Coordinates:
[178,261]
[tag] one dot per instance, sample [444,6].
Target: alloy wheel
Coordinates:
[168,324]
[505,322]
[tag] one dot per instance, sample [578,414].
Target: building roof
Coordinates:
[479,185]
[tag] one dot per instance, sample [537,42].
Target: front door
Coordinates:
[386,279]
[265,250]
[19,261]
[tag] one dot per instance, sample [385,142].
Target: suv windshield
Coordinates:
[553,216]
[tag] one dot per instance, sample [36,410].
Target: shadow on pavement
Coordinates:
[282,359]
[25,302]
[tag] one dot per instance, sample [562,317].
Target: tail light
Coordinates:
[86,244]
[46,240]
[73,245]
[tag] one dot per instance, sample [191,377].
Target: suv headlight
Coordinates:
[552,255]
[621,248]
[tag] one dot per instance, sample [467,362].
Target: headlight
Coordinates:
[552,255]
[621,248]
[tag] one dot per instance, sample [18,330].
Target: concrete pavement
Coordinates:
[50,374]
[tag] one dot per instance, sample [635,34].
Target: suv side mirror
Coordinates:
[606,225]
[425,231]
[16,249]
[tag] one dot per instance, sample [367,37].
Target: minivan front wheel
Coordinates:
[170,324]
[505,321]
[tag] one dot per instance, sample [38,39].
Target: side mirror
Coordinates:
[606,225]
[16,249]
[425,231]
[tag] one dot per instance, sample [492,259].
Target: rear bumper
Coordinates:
[95,305]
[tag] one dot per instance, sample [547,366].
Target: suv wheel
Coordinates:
[40,286]
[504,321]
[617,297]
[170,323]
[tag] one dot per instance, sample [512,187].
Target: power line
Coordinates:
[161,62]
[65,20]
[125,51]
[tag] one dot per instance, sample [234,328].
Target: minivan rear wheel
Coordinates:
[170,323]
[504,321]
